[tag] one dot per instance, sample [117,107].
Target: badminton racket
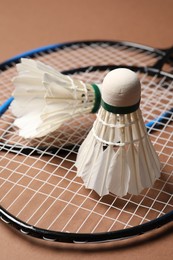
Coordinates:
[40,194]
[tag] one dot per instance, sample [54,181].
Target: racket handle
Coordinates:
[5,105]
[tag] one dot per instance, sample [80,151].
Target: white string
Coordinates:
[108,213]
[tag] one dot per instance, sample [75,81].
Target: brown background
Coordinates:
[25,25]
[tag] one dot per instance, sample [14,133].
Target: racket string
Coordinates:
[43,189]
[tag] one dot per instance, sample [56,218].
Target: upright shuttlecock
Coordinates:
[117,156]
[45,98]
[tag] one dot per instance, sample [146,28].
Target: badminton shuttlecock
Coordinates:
[45,98]
[117,156]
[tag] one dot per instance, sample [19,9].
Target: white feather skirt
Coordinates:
[45,98]
[117,156]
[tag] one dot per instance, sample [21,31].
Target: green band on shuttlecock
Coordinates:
[97,98]
[120,110]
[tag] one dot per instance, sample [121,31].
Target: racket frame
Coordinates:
[51,235]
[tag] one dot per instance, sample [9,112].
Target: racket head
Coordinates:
[40,193]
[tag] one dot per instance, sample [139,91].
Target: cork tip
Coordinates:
[121,88]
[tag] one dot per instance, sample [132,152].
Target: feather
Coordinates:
[117,156]
[45,98]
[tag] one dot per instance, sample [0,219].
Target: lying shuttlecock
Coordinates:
[117,156]
[45,98]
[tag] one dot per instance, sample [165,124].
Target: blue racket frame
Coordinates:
[85,237]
